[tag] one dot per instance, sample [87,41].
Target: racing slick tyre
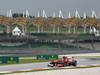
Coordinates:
[74,63]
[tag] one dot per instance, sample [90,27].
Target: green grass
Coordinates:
[33,60]
[61,29]
[40,45]
[19,46]
[24,61]
[48,28]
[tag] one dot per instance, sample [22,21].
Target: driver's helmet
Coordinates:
[64,57]
[72,57]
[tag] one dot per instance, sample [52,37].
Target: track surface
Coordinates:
[29,52]
[83,61]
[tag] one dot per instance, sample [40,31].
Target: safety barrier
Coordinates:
[8,59]
[47,57]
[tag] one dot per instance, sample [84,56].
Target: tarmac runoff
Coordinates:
[81,63]
[86,71]
[85,54]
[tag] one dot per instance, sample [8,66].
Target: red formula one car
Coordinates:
[65,61]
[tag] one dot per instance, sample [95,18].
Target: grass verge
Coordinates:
[25,61]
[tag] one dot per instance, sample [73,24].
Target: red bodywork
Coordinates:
[64,61]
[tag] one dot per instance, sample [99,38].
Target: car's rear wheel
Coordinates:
[74,63]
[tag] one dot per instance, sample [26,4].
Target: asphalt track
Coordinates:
[30,53]
[15,67]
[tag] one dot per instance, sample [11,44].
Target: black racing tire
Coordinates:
[74,63]
[50,65]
